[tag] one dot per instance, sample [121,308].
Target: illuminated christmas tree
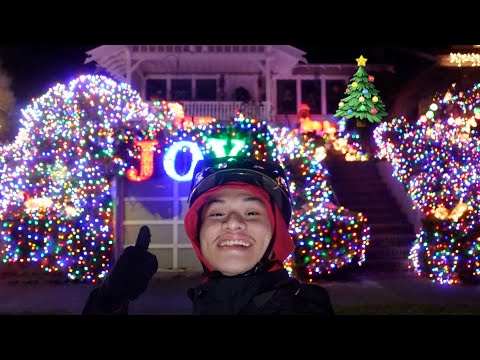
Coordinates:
[362,101]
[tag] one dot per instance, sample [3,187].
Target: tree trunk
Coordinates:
[361,123]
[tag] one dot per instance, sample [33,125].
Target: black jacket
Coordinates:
[263,293]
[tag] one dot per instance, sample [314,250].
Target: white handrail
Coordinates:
[225,110]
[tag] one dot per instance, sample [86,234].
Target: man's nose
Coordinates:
[234,221]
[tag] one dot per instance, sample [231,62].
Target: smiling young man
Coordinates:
[239,211]
[235,230]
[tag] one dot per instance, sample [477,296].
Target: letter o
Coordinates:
[171,155]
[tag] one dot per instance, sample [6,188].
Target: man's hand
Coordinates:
[134,269]
[130,275]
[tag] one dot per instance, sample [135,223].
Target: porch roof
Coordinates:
[119,60]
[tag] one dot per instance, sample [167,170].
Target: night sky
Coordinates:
[35,68]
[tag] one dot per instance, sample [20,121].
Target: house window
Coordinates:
[156,89]
[311,91]
[181,89]
[286,97]
[206,89]
[335,93]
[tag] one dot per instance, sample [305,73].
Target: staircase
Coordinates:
[359,187]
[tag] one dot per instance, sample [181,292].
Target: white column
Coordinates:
[298,90]
[268,88]
[128,67]
[323,96]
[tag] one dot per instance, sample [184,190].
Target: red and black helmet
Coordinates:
[269,176]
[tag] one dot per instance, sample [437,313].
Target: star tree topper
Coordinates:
[361,61]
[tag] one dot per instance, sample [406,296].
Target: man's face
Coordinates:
[235,231]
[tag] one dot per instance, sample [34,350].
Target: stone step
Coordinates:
[386,265]
[339,171]
[372,219]
[365,200]
[373,208]
[386,218]
[366,204]
[393,239]
[352,183]
[387,252]
[357,189]
[380,195]
[399,227]
[396,212]
[355,177]
[351,164]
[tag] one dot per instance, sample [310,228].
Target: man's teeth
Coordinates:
[235,243]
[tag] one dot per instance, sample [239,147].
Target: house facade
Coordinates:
[267,82]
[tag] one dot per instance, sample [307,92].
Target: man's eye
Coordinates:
[216,214]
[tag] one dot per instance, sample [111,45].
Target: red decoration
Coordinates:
[371,78]
[25,195]
[373,111]
[304,112]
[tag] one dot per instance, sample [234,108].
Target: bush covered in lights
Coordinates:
[56,205]
[327,236]
[437,159]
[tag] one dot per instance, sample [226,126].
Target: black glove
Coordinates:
[129,277]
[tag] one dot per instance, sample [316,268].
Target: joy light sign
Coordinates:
[147,148]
